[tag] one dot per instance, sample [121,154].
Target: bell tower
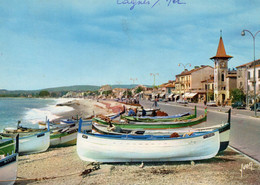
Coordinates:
[220,72]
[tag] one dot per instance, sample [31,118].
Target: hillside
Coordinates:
[63,89]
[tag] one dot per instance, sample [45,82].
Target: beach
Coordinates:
[63,166]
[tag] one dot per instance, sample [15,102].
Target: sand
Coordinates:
[63,166]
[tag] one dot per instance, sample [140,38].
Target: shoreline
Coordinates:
[61,165]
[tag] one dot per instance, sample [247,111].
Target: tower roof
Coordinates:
[221,52]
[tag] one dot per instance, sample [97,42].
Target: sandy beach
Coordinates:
[63,166]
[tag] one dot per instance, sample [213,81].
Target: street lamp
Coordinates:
[188,64]
[133,79]
[184,66]
[254,81]
[154,74]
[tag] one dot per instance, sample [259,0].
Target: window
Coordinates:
[241,84]
[248,75]
[222,77]
[206,86]
[259,73]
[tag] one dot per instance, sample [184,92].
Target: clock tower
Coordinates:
[220,73]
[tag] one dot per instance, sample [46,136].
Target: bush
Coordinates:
[44,93]
[237,95]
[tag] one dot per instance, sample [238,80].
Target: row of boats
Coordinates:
[141,139]
[119,138]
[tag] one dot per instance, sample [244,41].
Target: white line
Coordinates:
[252,159]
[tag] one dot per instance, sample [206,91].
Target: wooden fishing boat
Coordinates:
[155,125]
[135,148]
[67,136]
[7,146]
[8,164]
[30,141]
[176,117]
[224,131]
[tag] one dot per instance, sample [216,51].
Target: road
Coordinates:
[244,132]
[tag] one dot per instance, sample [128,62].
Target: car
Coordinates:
[212,104]
[257,107]
[182,101]
[238,105]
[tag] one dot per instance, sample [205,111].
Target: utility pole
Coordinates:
[154,74]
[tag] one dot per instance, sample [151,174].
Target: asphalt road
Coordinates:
[244,132]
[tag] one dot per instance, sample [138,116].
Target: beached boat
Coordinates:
[155,125]
[148,111]
[67,136]
[224,131]
[30,141]
[7,146]
[135,148]
[8,164]
[176,117]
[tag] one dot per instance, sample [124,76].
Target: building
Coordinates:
[188,84]
[168,90]
[224,80]
[208,87]
[245,78]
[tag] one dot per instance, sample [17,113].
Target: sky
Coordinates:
[47,43]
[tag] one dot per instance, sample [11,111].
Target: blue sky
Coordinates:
[46,43]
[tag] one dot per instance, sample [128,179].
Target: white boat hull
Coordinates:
[64,140]
[105,149]
[8,172]
[34,143]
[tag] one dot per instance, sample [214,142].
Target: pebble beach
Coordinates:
[63,166]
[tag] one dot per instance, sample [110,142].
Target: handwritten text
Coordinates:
[133,3]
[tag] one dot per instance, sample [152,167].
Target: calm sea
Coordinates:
[29,111]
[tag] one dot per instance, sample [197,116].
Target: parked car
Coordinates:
[182,102]
[238,105]
[212,104]
[257,107]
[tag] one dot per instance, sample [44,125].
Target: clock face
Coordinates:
[222,64]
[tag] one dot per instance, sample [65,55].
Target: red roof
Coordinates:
[221,52]
[191,71]
[249,63]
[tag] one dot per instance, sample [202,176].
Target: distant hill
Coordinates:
[64,89]
[74,88]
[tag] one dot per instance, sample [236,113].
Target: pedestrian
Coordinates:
[143,111]
[155,103]
[131,112]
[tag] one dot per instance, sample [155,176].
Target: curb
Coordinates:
[247,156]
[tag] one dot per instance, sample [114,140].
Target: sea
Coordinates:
[30,111]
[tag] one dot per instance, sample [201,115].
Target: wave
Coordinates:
[50,111]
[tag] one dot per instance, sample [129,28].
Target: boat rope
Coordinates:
[84,173]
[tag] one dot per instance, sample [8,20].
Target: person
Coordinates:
[155,103]
[131,112]
[143,111]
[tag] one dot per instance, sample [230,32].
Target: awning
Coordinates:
[170,96]
[189,95]
[176,96]
[162,94]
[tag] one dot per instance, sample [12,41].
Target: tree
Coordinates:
[139,89]
[127,93]
[107,92]
[237,95]
[44,93]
